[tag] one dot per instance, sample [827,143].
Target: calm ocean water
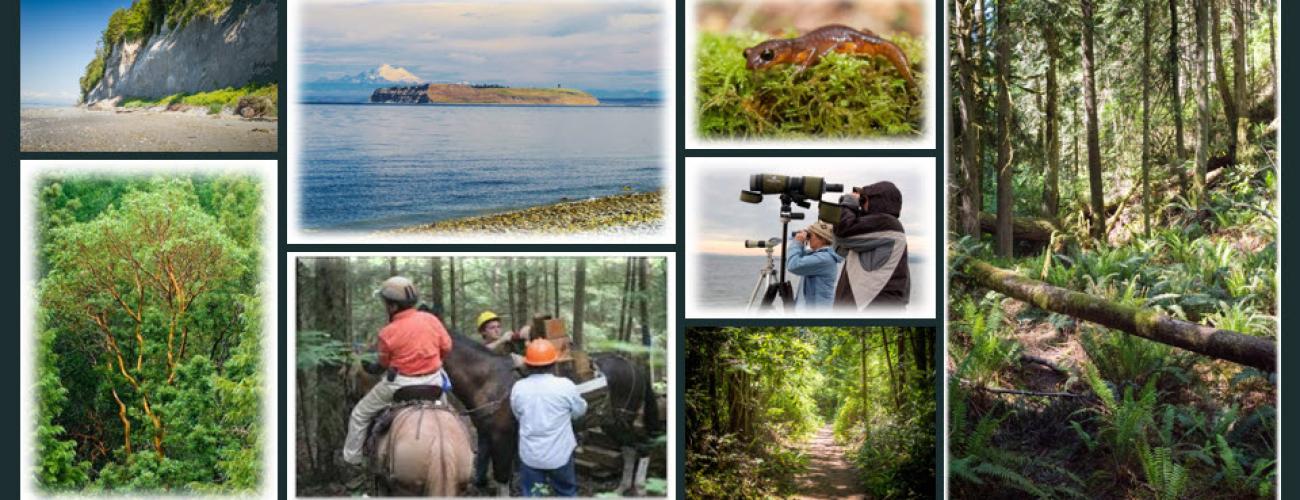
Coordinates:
[385,166]
[725,281]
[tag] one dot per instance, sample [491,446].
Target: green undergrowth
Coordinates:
[214,100]
[842,96]
[1148,420]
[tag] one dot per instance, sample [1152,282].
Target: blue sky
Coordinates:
[58,39]
[585,45]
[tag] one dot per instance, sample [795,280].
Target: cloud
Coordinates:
[584,44]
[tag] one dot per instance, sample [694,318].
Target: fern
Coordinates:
[1165,476]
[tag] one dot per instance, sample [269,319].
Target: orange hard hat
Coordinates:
[541,352]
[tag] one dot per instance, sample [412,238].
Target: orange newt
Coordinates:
[808,49]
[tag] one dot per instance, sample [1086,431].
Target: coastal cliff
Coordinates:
[232,43]
[439,93]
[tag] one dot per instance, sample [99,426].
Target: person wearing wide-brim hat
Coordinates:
[546,406]
[812,258]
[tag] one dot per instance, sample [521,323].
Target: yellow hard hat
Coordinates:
[486,317]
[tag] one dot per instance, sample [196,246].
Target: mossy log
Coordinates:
[1022,228]
[1227,345]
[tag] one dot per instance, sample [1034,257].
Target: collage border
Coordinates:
[11,155]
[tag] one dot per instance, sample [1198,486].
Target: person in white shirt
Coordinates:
[545,406]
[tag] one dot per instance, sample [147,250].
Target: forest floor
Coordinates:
[829,474]
[80,129]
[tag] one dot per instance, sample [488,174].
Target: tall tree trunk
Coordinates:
[515,320]
[643,280]
[1202,102]
[555,284]
[1146,117]
[435,275]
[893,379]
[1239,34]
[392,266]
[455,290]
[579,299]
[525,316]
[862,355]
[1051,124]
[969,190]
[623,307]
[1005,192]
[1176,91]
[1226,94]
[1098,225]
[330,312]
[1272,44]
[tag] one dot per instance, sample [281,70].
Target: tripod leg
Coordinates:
[761,284]
[787,295]
[770,295]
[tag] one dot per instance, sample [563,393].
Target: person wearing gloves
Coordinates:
[812,259]
[874,244]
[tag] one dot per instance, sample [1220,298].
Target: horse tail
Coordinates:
[449,465]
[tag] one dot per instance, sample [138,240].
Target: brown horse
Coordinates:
[425,452]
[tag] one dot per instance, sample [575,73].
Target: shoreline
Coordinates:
[621,214]
[83,129]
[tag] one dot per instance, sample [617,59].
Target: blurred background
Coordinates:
[777,17]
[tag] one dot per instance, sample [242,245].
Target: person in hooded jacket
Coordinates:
[874,208]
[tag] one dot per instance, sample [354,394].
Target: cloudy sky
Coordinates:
[722,222]
[585,45]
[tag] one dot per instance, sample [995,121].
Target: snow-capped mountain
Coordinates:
[383,74]
[357,88]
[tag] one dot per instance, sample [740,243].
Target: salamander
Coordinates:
[807,50]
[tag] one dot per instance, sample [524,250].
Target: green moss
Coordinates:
[214,100]
[841,96]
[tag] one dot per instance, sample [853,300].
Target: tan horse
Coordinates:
[426,452]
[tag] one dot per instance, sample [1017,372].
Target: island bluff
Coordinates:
[464,93]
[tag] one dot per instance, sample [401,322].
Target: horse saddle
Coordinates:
[411,395]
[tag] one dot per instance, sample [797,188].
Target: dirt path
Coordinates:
[829,474]
[78,129]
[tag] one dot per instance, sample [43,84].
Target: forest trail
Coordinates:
[829,474]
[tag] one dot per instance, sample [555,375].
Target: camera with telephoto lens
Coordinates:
[768,243]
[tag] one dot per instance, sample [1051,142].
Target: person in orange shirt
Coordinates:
[411,347]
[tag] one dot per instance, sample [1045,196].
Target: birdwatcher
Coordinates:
[546,406]
[814,260]
[874,244]
[411,349]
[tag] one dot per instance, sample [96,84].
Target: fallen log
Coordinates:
[1022,228]
[1227,345]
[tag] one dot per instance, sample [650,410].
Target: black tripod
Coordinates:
[782,287]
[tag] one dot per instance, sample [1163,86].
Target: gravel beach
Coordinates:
[624,214]
[84,130]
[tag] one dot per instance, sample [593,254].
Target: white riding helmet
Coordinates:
[400,290]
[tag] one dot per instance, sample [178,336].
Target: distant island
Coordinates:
[459,93]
